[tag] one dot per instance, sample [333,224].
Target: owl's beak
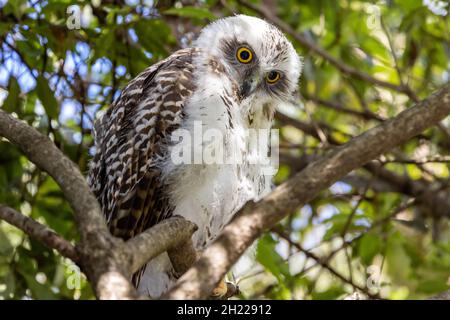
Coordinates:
[249,86]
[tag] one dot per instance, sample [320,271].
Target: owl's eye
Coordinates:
[272,77]
[244,55]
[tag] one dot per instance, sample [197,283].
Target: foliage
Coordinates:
[59,76]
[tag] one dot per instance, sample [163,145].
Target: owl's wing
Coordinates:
[129,139]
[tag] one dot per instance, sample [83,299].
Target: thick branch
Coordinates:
[106,260]
[168,234]
[99,252]
[39,232]
[254,218]
[182,256]
[42,152]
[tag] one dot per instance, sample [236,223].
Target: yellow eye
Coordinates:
[244,55]
[272,77]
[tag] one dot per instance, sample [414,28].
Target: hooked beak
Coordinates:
[249,86]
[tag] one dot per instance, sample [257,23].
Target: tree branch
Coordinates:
[254,218]
[324,264]
[106,260]
[365,114]
[305,127]
[40,149]
[437,200]
[39,232]
[97,249]
[152,242]
[182,256]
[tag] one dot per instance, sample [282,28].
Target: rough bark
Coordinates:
[39,232]
[167,234]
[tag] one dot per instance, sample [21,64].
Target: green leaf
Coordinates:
[106,45]
[47,97]
[330,294]
[409,5]
[16,7]
[266,255]
[9,281]
[6,247]
[338,223]
[12,102]
[282,174]
[154,36]
[398,261]
[376,48]
[39,291]
[191,12]
[368,247]
[431,286]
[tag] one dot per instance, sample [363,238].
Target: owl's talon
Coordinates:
[224,291]
[220,290]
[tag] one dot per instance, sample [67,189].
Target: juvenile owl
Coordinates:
[229,82]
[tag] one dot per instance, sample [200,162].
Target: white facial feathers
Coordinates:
[271,47]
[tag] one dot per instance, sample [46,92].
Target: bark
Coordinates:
[39,232]
[167,235]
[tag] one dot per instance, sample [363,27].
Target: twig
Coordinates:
[324,264]
[100,252]
[434,159]
[347,243]
[366,114]
[39,232]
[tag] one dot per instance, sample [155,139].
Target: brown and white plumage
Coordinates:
[132,173]
[130,138]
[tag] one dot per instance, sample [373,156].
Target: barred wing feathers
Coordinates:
[131,136]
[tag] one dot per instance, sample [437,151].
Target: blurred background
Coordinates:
[382,231]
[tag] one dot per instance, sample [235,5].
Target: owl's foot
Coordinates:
[220,290]
[224,290]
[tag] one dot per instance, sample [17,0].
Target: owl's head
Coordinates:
[256,55]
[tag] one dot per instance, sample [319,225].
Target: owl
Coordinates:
[230,81]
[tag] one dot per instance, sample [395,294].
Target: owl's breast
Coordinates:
[210,193]
[209,196]
[212,179]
